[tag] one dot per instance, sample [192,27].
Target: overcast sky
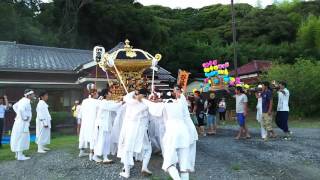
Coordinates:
[197,3]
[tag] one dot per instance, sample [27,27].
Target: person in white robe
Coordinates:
[263,131]
[179,141]
[116,128]
[88,115]
[20,135]
[156,127]
[43,123]
[156,132]
[103,126]
[134,140]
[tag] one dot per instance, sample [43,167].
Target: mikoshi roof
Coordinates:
[124,48]
[21,57]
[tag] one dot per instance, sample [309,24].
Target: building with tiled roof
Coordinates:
[62,72]
[250,72]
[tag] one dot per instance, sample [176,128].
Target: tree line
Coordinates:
[185,37]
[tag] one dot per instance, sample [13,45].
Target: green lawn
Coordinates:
[58,141]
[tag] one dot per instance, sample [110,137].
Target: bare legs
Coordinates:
[243,132]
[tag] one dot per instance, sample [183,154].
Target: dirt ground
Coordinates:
[218,157]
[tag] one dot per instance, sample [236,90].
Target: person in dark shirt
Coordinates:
[198,110]
[212,110]
[267,101]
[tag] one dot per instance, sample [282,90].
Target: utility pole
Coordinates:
[234,38]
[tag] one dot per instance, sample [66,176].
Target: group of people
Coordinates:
[202,109]
[264,95]
[140,123]
[20,134]
[265,109]
[206,109]
[134,126]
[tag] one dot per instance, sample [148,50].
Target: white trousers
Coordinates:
[43,135]
[264,133]
[102,146]
[86,144]
[145,155]
[185,157]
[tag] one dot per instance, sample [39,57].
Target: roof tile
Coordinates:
[29,57]
[253,67]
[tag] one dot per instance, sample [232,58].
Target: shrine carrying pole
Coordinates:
[120,78]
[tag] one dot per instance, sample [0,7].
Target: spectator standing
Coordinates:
[283,108]
[198,110]
[242,112]
[3,107]
[267,101]
[212,110]
[75,112]
[259,113]
[222,110]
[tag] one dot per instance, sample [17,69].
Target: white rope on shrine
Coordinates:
[107,77]
[110,62]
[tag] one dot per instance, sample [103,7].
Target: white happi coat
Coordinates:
[134,138]
[180,134]
[20,135]
[103,125]
[88,114]
[43,119]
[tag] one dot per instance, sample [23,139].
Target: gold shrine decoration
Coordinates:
[128,49]
[129,68]
[183,77]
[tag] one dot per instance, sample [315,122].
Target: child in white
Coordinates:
[43,124]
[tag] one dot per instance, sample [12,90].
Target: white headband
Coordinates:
[28,93]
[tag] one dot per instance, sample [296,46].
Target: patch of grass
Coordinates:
[160,178]
[57,142]
[236,167]
[306,162]
[305,123]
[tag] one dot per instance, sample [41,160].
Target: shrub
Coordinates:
[58,118]
[303,83]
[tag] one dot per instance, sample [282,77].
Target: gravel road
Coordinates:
[218,157]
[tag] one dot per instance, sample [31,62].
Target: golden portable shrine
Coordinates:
[128,65]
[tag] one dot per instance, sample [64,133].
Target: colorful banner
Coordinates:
[217,77]
[183,77]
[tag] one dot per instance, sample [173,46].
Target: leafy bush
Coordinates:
[303,83]
[58,118]
[61,117]
[309,33]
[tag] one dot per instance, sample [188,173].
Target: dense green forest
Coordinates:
[185,37]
